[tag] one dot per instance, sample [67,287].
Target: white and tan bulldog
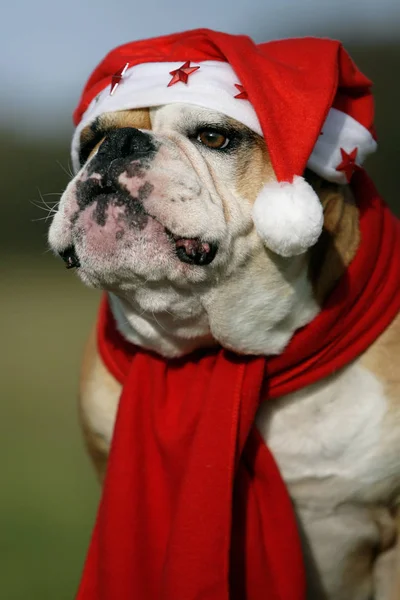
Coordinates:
[159,215]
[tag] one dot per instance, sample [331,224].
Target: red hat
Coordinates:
[305,96]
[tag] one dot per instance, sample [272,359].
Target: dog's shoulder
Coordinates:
[99,394]
[383,360]
[343,429]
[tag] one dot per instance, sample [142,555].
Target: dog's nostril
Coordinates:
[108,187]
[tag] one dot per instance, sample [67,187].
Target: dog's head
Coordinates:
[160,215]
[189,204]
[161,192]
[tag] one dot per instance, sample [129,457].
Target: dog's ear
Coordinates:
[340,237]
[93,135]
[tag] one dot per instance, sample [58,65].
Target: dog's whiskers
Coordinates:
[46,203]
[49,207]
[158,322]
[52,194]
[46,208]
[46,218]
[67,170]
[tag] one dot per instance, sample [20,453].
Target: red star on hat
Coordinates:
[117,78]
[182,74]
[348,164]
[243,94]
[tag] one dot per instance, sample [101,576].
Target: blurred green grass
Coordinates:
[48,490]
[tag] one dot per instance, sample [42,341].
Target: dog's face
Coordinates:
[164,201]
[160,215]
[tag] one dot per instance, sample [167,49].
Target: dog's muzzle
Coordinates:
[128,151]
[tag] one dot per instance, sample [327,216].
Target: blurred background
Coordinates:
[48,493]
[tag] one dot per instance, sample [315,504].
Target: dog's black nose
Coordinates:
[119,150]
[125,142]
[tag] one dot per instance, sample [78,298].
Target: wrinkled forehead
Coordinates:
[184,118]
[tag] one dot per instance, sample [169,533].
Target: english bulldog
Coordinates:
[159,214]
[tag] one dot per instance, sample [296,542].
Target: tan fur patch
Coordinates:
[254,169]
[96,147]
[254,166]
[380,359]
[339,240]
[136,117]
[96,382]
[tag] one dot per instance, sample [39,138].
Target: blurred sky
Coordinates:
[48,47]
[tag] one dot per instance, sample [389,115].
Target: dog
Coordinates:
[164,215]
[336,442]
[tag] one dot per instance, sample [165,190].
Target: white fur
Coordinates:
[331,429]
[288,216]
[162,331]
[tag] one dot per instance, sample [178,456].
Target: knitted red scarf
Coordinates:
[193,505]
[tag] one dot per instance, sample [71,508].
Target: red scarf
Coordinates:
[193,505]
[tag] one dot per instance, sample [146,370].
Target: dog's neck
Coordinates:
[244,313]
[161,332]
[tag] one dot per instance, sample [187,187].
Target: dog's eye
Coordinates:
[213,139]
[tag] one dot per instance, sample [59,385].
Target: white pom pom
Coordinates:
[288,216]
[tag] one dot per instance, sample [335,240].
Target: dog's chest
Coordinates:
[337,430]
[341,430]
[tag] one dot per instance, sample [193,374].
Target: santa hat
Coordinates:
[305,96]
